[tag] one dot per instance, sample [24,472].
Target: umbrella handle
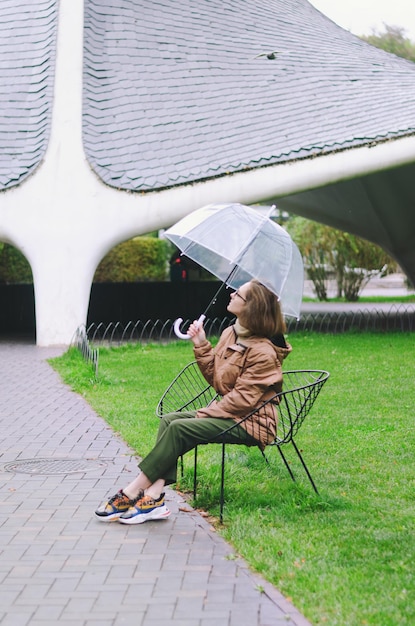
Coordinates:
[177,323]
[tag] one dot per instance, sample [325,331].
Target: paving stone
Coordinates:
[58,560]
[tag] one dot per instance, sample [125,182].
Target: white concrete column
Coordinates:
[64,219]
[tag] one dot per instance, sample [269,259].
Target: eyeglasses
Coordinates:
[236,293]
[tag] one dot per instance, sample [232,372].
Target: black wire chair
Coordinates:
[189,391]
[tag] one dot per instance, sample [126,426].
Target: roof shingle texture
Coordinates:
[27,69]
[177,91]
[180,91]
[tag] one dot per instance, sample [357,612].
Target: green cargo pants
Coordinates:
[180,432]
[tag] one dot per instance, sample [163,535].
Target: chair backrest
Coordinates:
[189,391]
[301,388]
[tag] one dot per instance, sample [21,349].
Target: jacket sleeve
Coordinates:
[261,370]
[205,359]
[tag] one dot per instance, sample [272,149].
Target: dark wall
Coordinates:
[17,310]
[118,302]
[123,302]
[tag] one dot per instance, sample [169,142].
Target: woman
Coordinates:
[245,369]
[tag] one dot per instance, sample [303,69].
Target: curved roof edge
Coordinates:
[202,90]
[282,179]
[304,173]
[352,162]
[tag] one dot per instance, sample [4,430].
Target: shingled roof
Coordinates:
[182,91]
[27,67]
[177,92]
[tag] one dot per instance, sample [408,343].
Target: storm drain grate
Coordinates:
[53,466]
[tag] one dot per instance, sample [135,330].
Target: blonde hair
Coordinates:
[262,313]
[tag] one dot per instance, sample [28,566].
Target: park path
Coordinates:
[59,565]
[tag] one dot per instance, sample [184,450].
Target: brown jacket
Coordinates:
[245,372]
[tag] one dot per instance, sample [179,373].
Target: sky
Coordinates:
[361,17]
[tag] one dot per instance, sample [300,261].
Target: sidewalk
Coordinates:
[393,285]
[59,565]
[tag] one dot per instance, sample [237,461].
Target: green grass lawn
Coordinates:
[409,299]
[344,557]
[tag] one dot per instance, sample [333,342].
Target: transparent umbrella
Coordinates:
[237,243]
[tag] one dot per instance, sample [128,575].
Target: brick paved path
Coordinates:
[59,565]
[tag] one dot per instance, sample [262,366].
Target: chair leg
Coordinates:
[222,484]
[195,474]
[304,465]
[264,457]
[286,463]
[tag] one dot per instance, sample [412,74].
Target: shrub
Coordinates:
[139,259]
[14,267]
[329,252]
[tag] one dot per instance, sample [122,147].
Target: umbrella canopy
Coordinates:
[237,243]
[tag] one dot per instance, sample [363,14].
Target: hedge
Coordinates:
[140,259]
[14,267]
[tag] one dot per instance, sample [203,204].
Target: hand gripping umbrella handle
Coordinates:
[179,320]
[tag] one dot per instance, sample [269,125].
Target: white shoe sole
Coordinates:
[161,513]
[108,518]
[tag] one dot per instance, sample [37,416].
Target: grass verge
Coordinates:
[345,557]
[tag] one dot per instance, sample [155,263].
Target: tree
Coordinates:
[310,238]
[392,40]
[355,261]
[328,252]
